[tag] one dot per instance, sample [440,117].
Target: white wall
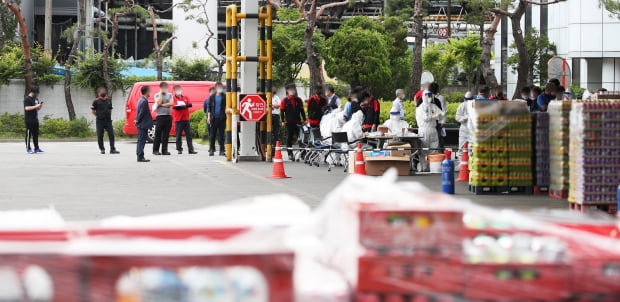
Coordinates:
[189,32]
[12,101]
[579,29]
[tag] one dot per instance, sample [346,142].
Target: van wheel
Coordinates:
[150,136]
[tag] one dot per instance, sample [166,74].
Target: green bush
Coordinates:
[12,65]
[455,97]
[89,73]
[195,70]
[11,124]
[63,128]
[118,128]
[197,120]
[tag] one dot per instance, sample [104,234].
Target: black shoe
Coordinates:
[211,153]
[222,153]
[114,152]
[180,151]
[103,151]
[166,153]
[143,160]
[193,152]
[156,153]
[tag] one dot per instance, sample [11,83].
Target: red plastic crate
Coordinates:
[511,282]
[169,233]
[410,275]
[407,229]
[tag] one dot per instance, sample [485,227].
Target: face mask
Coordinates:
[291,92]
[395,117]
[523,96]
[178,92]
[219,90]
[102,95]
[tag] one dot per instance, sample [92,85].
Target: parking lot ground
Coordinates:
[84,185]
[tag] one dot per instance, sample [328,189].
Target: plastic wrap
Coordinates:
[595,153]
[501,148]
[559,127]
[542,177]
[372,239]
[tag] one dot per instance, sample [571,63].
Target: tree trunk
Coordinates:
[67,85]
[158,60]
[485,58]
[312,58]
[416,70]
[524,61]
[23,31]
[105,60]
[1,33]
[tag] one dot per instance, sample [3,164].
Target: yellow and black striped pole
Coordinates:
[261,79]
[228,84]
[234,43]
[269,78]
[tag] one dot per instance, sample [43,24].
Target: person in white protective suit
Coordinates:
[395,123]
[427,115]
[462,116]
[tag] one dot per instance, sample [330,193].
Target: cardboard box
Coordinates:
[376,166]
[394,146]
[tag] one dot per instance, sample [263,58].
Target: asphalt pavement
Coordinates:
[84,185]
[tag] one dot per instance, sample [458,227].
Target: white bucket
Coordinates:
[435,162]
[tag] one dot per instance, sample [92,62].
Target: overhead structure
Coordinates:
[235,31]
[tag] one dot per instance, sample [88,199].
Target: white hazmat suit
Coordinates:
[462,116]
[427,115]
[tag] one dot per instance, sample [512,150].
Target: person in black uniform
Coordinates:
[143,122]
[32,105]
[102,110]
[216,119]
[292,114]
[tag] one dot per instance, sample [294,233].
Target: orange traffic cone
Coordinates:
[278,164]
[464,165]
[360,166]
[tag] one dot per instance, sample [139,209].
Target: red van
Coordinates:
[196,91]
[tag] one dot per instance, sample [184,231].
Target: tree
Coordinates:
[90,74]
[358,56]
[613,6]
[109,38]
[8,25]
[418,33]
[287,42]
[467,53]
[439,60]
[201,16]
[23,31]
[539,50]
[400,8]
[159,48]
[310,12]
[399,56]
[195,70]
[73,36]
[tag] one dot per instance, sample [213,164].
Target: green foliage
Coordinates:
[89,73]
[410,112]
[130,80]
[467,52]
[577,91]
[539,51]
[339,89]
[612,6]
[118,128]
[194,70]
[9,23]
[451,114]
[12,65]
[400,8]
[198,124]
[454,97]
[11,125]
[288,40]
[370,53]
[63,128]
[439,60]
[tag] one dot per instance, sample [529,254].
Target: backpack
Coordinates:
[314,108]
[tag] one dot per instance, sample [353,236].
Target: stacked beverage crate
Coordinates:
[540,137]
[559,125]
[595,155]
[502,151]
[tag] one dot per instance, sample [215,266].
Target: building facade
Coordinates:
[584,35]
